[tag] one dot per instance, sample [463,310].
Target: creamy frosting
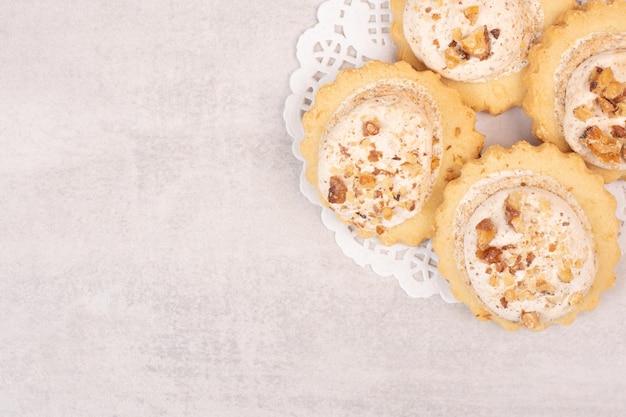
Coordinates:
[525,245]
[574,95]
[432,27]
[380,154]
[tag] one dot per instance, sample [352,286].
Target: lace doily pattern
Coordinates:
[348,34]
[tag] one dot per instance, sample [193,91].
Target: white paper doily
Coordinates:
[348,34]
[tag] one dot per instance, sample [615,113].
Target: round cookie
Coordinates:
[479,47]
[576,83]
[527,236]
[381,142]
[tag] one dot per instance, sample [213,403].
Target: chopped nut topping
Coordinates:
[457,35]
[471,13]
[454,57]
[408,205]
[508,279]
[374,156]
[493,279]
[344,151]
[477,44]
[566,275]
[490,255]
[618,131]
[611,93]
[509,296]
[337,191]
[485,232]
[525,295]
[575,298]
[606,106]
[460,49]
[518,265]
[611,102]
[367,181]
[583,112]
[434,164]
[606,148]
[411,158]
[412,169]
[387,213]
[600,79]
[545,287]
[615,91]
[530,319]
[371,128]
[512,209]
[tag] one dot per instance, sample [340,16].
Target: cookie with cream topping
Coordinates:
[527,236]
[381,142]
[479,46]
[576,83]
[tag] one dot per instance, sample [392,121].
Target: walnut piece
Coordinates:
[606,148]
[491,255]
[583,112]
[477,44]
[371,128]
[471,13]
[485,232]
[606,106]
[566,275]
[611,93]
[575,298]
[412,169]
[461,49]
[512,210]
[618,131]
[454,57]
[600,79]
[530,319]
[374,155]
[387,213]
[545,287]
[509,296]
[337,190]
[367,181]
[615,91]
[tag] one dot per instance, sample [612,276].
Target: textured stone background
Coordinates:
[158,259]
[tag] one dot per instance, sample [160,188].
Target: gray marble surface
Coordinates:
[158,259]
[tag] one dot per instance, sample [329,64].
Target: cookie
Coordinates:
[381,142]
[527,236]
[479,47]
[576,83]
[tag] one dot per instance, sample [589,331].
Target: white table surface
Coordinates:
[158,259]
